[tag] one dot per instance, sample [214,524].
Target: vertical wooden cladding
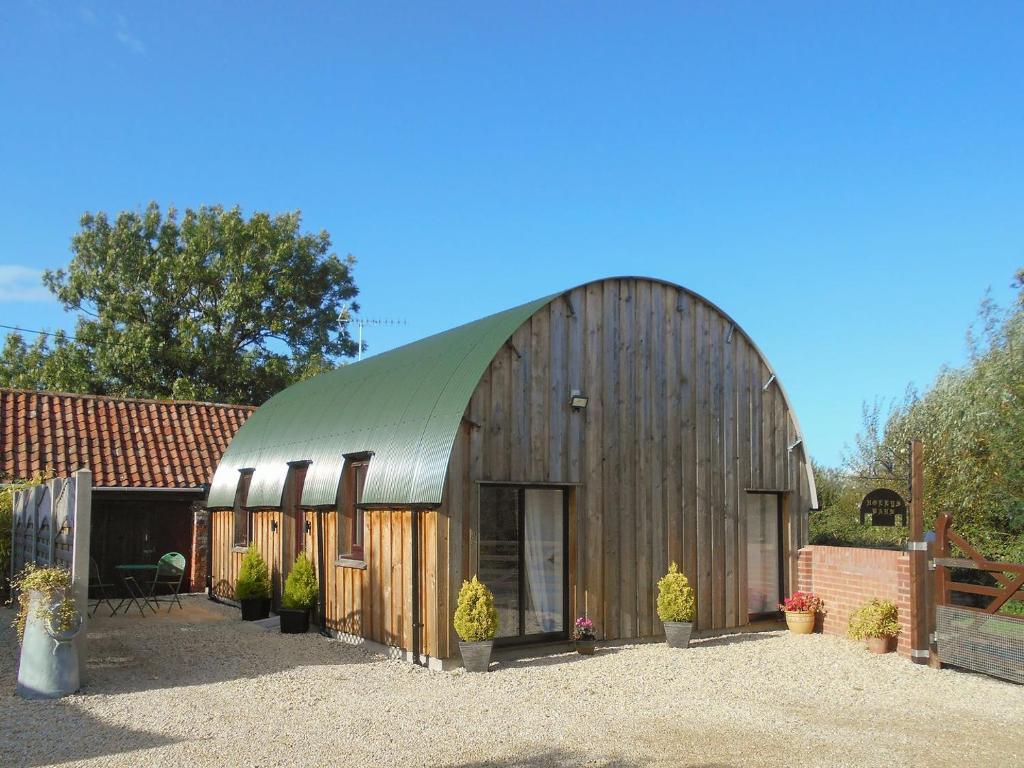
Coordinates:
[226,558]
[678,426]
[375,602]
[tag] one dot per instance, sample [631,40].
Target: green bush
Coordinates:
[300,588]
[476,618]
[876,618]
[253,576]
[675,597]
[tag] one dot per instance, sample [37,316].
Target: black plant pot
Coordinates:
[255,608]
[294,621]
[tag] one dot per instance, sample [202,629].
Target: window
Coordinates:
[243,517]
[350,516]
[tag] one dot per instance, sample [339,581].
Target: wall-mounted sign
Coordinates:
[882,506]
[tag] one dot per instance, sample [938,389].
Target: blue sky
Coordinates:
[844,179]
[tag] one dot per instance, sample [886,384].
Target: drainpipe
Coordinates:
[321,571]
[416,586]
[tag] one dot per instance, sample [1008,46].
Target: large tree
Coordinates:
[207,305]
[971,421]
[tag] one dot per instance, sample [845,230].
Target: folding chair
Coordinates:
[96,584]
[170,572]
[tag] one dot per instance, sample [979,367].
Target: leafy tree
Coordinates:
[972,424]
[208,305]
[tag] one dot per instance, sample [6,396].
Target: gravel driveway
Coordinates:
[201,688]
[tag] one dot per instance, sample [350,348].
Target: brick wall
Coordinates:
[200,547]
[846,577]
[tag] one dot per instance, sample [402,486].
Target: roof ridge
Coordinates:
[115,398]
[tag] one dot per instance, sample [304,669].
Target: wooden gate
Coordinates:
[975,637]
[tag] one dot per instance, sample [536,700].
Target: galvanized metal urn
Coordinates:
[677,633]
[476,657]
[49,665]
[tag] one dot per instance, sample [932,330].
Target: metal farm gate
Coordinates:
[976,638]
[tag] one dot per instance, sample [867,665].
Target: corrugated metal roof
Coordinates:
[404,405]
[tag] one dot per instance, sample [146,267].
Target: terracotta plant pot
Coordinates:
[586,647]
[476,657]
[881,644]
[677,633]
[800,622]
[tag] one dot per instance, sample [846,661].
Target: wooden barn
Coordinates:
[565,450]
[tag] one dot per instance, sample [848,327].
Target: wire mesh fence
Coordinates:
[992,645]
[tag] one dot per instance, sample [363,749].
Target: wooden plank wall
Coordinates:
[375,602]
[679,425]
[226,559]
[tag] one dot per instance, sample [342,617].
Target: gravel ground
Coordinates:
[202,688]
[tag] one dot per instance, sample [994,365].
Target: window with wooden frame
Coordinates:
[242,516]
[350,516]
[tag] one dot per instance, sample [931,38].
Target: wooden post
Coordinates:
[940,582]
[919,645]
[80,558]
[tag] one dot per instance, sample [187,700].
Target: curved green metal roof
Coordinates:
[404,406]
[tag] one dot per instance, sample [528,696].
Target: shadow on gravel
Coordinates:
[38,739]
[563,758]
[716,642]
[202,645]
[560,657]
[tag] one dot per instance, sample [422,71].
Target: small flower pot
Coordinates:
[255,608]
[677,633]
[881,644]
[800,622]
[586,647]
[476,657]
[294,621]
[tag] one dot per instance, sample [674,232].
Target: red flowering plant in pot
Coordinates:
[801,610]
[583,635]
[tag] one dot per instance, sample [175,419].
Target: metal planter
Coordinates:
[476,657]
[49,665]
[677,633]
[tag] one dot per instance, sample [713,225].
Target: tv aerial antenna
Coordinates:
[345,317]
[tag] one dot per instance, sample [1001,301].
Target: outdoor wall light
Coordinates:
[578,401]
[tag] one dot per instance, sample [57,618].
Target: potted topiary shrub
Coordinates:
[676,607]
[583,634]
[47,621]
[801,611]
[877,623]
[252,589]
[476,623]
[300,595]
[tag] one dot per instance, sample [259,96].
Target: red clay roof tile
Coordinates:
[140,443]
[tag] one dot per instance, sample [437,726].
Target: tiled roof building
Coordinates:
[127,443]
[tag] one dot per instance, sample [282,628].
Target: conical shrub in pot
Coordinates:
[676,607]
[253,588]
[476,623]
[877,623]
[301,591]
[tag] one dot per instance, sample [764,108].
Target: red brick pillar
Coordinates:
[200,547]
[805,570]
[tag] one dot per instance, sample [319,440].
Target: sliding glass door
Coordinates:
[523,542]
[764,553]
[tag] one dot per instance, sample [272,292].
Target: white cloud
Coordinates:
[22,284]
[127,38]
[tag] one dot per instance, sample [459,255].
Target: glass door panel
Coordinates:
[499,553]
[763,568]
[543,562]
[523,558]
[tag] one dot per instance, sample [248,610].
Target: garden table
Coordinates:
[129,574]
